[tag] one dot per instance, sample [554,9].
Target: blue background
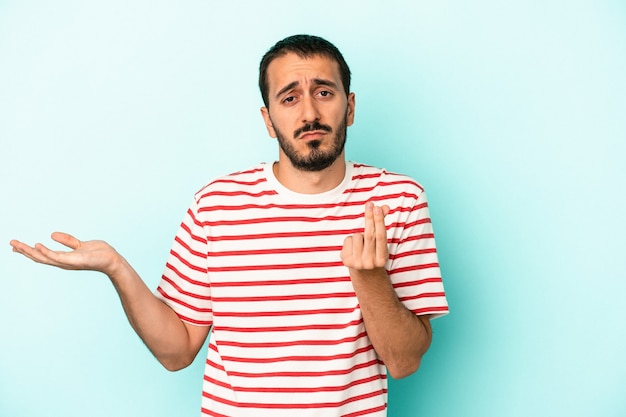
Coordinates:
[511,114]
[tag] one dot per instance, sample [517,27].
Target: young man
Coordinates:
[317,275]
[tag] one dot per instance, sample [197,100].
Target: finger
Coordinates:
[15,244]
[21,248]
[33,253]
[60,259]
[369,230]
[358,243]
[66,240]
[381,249]
[346,251]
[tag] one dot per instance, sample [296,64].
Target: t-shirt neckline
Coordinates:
[300,197]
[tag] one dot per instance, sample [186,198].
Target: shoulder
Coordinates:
[381,177]
[236,182]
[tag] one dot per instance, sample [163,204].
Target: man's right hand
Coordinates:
[173,342]
[93,255]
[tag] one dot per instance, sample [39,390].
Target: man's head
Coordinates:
[304,46]
[308,103]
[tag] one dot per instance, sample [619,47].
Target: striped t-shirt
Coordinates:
[261,264]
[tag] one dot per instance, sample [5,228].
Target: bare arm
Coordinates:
[399,337]
[173,342]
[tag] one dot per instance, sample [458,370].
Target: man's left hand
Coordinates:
[368,250]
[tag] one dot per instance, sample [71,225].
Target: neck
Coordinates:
[309,182]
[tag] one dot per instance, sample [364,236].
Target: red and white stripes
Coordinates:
[261,265]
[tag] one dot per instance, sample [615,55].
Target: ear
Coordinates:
[351,107]
[268,122]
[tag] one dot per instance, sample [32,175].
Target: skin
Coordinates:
[307,90]
[173,342]
[302,91]
[399,337]
[307,101]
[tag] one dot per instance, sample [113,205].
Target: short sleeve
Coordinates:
[414,266]
[185,285]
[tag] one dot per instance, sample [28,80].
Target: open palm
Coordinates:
[93,255]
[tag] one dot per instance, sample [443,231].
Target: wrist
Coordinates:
[116,267]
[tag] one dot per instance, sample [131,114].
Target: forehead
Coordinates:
[291,67]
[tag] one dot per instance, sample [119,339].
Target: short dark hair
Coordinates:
[305,46]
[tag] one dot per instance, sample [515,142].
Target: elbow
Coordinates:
[172,367]
[175,363]
[402,370]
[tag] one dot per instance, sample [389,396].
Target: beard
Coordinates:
[317,159]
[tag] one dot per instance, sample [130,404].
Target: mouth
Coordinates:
[316,134]
[313,130]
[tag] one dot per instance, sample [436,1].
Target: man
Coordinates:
[317,275]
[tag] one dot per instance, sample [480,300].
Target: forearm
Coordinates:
[399,337]
[157,324]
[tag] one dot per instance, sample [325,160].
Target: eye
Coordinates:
[325,93]
[289,99]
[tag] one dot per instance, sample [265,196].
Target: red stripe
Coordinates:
[281,206]
[367,176]
[233,176]
[212,413]
[193,217]
[412,238]
[294,343]
[234,181]
[403,209]
[185,318]
[275,251]
[425,220]
[189,232]
[183,292]
[187,263]
[430,310]
[288,328]
[358,165]
[282,235]
[413,252]
[284,313]
[423,295]
[236,194]
[298,358]
[248,171]
[185,277]
[303,281]
[297,389]
[188,248]
[182,303]
[298,374]
[274,267]
[366,412]
[417,282]
[285,297]
[382,197]
[414,268]
[289,406]
[382,184]
[240,207]
[260,220]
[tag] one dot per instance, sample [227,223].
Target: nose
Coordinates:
[310,112]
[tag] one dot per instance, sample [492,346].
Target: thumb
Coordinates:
[66,240]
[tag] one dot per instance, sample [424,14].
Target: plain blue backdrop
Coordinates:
[511,114]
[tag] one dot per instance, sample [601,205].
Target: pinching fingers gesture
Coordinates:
[368,250]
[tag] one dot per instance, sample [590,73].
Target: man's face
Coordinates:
[308,110]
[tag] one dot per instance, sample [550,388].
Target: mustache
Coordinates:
[310,127]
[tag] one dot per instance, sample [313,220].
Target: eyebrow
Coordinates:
[316,81]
